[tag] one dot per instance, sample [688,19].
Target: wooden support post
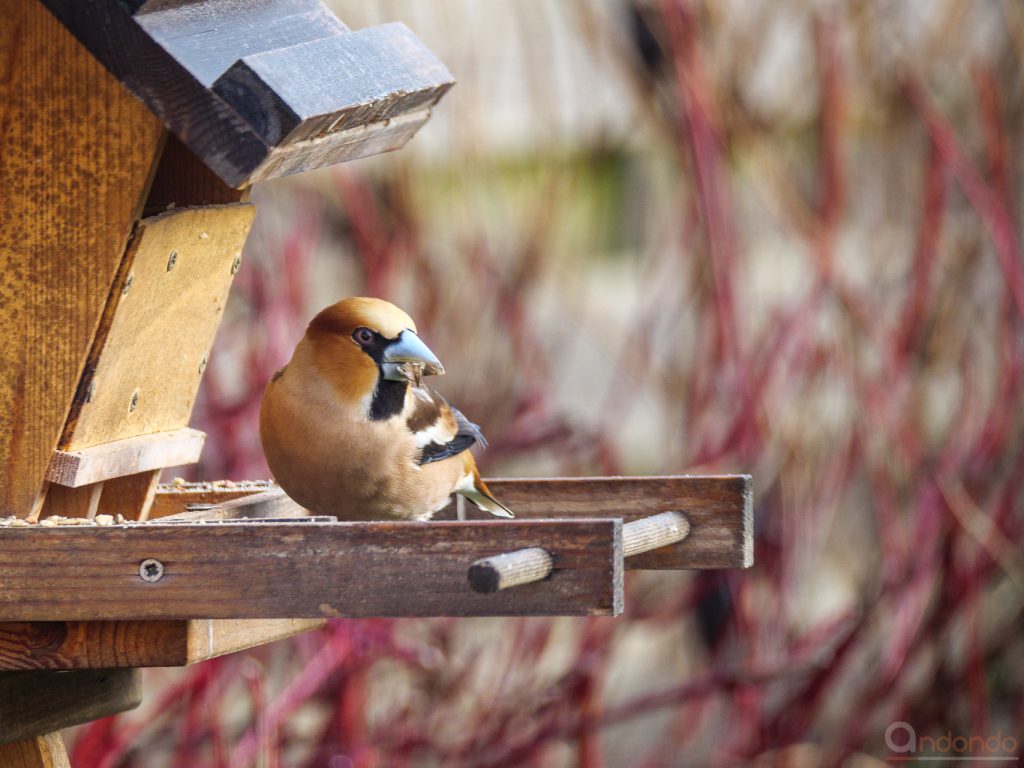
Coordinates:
[130,496]
[32,703]
[45,751]
[71,502]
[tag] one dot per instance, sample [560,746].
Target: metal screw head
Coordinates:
[151,570]
[236,264]
[127,285]
[172,260]
[202,365]
[134,403]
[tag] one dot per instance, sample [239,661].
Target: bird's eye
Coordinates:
[363,335]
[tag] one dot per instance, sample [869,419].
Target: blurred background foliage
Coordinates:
[781,238]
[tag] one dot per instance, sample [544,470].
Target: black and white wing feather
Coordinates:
[440,430]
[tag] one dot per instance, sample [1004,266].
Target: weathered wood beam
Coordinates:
[263,89]
[299,570]
[33,703]
[127,456]
[108,644]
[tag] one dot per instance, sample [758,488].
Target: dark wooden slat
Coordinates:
[300,570]
[33,703]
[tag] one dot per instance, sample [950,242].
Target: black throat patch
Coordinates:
[388,398]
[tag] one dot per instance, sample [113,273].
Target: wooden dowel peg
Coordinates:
[510,569]
[654,532]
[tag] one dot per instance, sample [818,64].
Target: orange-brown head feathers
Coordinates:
[343,318]
[367,347]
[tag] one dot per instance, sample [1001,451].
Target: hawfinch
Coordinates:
[348,430]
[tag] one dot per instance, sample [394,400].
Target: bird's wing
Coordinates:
[439,429]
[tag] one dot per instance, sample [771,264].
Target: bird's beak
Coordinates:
[408,349]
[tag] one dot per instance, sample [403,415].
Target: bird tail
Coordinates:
[476,490]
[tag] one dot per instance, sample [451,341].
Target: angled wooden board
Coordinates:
[77,153]
[144,369]
[300,570]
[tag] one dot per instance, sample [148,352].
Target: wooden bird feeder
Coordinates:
[132,132]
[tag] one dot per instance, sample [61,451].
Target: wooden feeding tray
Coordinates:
[134,129]
[259,556]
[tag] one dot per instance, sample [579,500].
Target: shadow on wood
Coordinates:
[33,703]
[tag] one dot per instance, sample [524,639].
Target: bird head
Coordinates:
[368,340]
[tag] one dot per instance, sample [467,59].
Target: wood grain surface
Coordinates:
[108,644]
[46,751]
[130,496]
[300,570]
[39,702]
[145,366]
[78,154]
[183,180]
[71,502]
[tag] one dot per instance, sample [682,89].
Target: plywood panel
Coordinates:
[149,356]
[77,153]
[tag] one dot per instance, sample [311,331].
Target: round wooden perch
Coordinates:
[654,532]
[510,569]
[534,564]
